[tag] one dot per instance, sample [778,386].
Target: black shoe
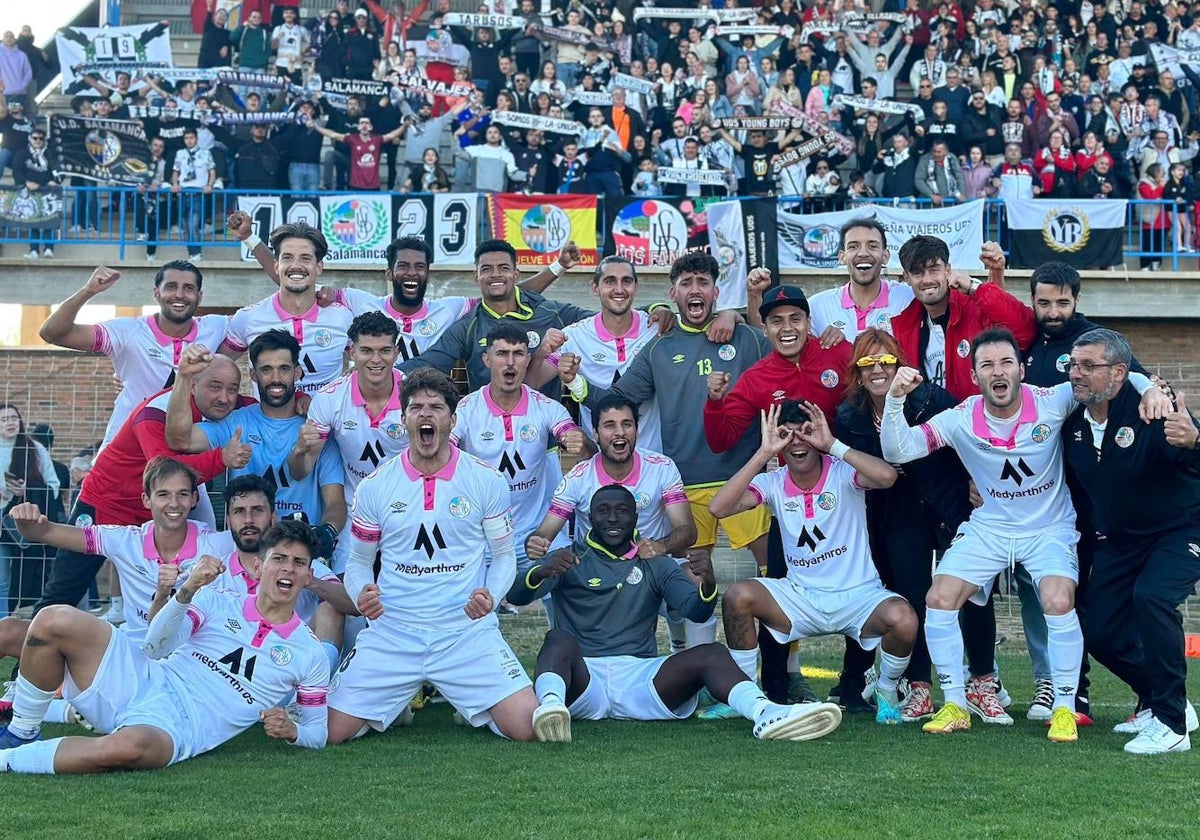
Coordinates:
[835,693]
[852,701]
[799,691]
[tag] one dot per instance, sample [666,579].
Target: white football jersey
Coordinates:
[824,530]
[835,307]
[131,550]
[654,481]
[430,531]
[520,446]
[417,331]
[236,665]
[321,331]
[237,579]
[603,357]
[339,410]
[1017,465]
[144,358]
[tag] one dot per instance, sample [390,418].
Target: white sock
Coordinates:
[37,757]
[891,669]
[334,654]
[944,637]
[59,711]
[700,634]
[29,708]
[793,666]
[747,660]
[550,687]
[1064,650]
[747,699]
[677,633]
[118,603]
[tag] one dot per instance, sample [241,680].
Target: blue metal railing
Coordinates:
[125,217]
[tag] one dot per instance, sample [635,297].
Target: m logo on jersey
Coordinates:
[510,466]
[810,540]
[372,452]
[426,541]
[1017,472]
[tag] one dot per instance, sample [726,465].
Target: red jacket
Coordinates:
[114,486]
[819,377]
[990,306]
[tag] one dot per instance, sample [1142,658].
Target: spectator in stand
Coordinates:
[820,98]
[15,129]
[26,475]
[898,168]
[955,94]
[216,48]
[396,24]
[1155,218]
[783,94]
[151,201]
[252,43]
[1182,192]
[195,172]
[365,150]
[939,176]
[362,48]
[940,128]
[258,163]
[299,145]
[981,127]
[880,60]
[977,175]
[494,165]
[328,46]
[16,73]
[568,57]
[742,86]
[602,144]
[290,41]
[32,171]
[1161,151]
[1055,165]
[870,145]
[548,82]
[820,187]
[430,176]
[1054,118]
[569,169]
[930,68]
[421,133]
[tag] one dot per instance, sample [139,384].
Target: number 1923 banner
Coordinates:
[359,227]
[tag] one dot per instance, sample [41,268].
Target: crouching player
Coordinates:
[832,586]
[233,660]
[600,660]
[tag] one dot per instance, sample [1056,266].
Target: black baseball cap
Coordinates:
[782,296]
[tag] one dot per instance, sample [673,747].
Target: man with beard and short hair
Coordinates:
[272,426]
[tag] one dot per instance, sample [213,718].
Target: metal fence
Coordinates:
[125,216]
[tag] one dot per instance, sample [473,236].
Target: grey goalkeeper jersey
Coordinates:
[674,369]
[610,603]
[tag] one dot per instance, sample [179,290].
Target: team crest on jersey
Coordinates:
[395,431]
[829,378]
[83,521]
[1061,362]
[528,433]
[460,507]
[399,507]
[884,323]
[964,349]
[826,501]
[642,498]
[280,655]
[677,359]
[727,352]
[534,339]
[426,327]
[594,583]
[635,576]
[1124,437]
[233,625]
[323,338]
[1041,433]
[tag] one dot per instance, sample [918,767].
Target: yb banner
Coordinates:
[1084,234]
[538,226]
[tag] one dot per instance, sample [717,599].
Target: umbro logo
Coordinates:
[233,625]
[399,507]
[677,359]
[599,357]
[1017,472]
[350,424]
[488,435]
[1078,436]
[594,583]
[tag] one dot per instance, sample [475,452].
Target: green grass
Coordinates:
[689,780]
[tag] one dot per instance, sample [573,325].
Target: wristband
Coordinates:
[578,388]
[557,269]
[252,241]
[839,450]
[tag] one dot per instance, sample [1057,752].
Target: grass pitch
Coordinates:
[689,780]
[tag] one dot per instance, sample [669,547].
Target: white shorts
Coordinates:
[123,673]
[159,705]
[473,668]
[817,613]
[978,556]
[622,687]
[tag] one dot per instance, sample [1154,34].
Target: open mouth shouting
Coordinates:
[426,434]
[696,307]
[285,584]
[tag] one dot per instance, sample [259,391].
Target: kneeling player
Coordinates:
[599,662]
[831,585]
[234,660]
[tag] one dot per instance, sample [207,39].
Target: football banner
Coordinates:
[21,207]
[538,226]
[656,231]
[682,175]
[1087,233]
[355,228]
[489,21]
[536,122]
[634,83]
[111,151]
[741,235]
[100,51]
[812,240]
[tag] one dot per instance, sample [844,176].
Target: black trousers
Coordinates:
[71,573]
[1132,622]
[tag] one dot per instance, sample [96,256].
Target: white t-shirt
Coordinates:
[935,354]
[291,44]
[654,481]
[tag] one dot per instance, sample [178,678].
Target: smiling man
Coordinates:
[215,682]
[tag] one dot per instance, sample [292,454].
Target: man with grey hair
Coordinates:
[1141,483]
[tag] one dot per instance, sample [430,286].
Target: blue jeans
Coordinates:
[5,160]
[7,550]
[191,219]
[304,177]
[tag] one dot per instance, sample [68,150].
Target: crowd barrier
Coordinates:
[131,220]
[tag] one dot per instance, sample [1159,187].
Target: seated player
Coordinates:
[819,499]
[234,660]
[601,659]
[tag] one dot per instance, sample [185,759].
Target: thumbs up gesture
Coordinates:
[236,454]
[1179,427]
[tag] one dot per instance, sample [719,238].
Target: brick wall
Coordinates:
[74,392]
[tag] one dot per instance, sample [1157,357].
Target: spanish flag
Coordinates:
[538,226]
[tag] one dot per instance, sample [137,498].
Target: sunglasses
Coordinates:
[876,359]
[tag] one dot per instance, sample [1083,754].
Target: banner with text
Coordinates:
[1083,234]
[111,151]
[656,231]
[741,235]
[26,209]
[538,226]
[89,51]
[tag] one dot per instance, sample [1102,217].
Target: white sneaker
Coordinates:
[48,254]
[115,616]
[1042,706]
[1156,738]
[552,723]
[1140,720]
[801,722]
[32,255]
[196,259]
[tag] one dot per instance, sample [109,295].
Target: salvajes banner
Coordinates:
[812,240]
[113,151]
[359,227]
[21,207]
[656,231]
[741,235]
[100,51]
[1087,233]
[538,226]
